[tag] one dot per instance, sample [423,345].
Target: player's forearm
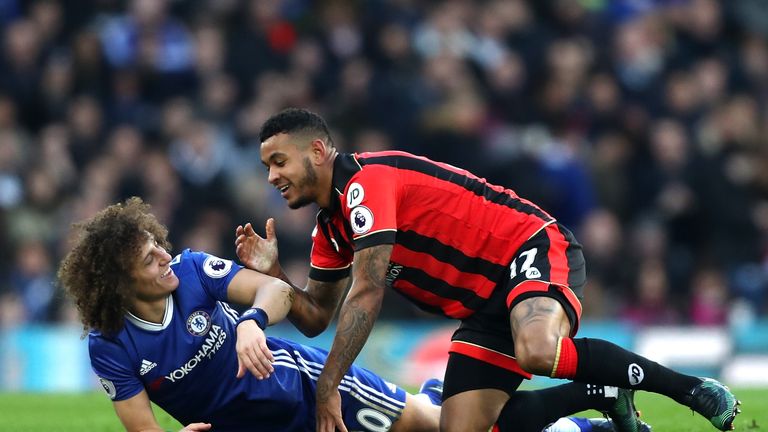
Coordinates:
[276,299]
[303,310]
[314,307]
[307,315]
[358,314]
[136,414]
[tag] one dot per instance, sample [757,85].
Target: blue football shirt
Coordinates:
[188,364]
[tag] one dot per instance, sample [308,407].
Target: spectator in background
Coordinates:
[709,297]
[154,42]
[32,281]
[20,68]
[650,303]
[86,123]
[12,160]
[608,270]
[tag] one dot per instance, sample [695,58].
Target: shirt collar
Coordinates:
[345,166]
[150,326]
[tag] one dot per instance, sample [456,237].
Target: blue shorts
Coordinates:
[368,402]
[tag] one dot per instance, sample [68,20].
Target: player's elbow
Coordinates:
[311,332]
[311,326]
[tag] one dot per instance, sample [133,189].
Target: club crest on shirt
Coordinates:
[108,387]
[198,323]
[361,219]
[216,267]
[355,195]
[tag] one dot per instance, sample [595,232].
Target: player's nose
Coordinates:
[273,177]
[164,256]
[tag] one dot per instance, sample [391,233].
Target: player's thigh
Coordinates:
[474,393]
[419,415]
[547,278]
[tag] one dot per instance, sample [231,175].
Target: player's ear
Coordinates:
[319,150]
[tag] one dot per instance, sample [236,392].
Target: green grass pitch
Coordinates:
[93,412]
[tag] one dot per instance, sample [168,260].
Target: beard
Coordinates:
[308,181]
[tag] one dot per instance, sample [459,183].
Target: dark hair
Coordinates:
[96,273]
[295,121]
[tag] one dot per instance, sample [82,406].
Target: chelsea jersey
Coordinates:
[188,364]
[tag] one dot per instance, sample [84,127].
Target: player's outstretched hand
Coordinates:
[196,427]
[329,413]
[256,252]
[252,351]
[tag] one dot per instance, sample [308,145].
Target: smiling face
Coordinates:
[152,275]
[291,168]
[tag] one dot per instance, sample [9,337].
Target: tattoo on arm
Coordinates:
[374,263]
[323,391]
[314,306]
[359,311]
[328,294]
[353,330]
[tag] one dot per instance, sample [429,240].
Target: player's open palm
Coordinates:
[329,413]
[256,252]
[252,352]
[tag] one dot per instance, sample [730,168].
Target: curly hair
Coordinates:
[96,273]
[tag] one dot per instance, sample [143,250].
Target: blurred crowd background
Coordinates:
[640,124]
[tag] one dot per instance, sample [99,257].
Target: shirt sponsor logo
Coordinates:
[361,219]
[213,342]
[198,323]
[108,387]
[146,366]
[393,272]
[216,267]
[355,195]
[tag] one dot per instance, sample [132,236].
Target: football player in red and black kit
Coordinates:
[457,246]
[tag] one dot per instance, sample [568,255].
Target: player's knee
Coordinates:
[535,352]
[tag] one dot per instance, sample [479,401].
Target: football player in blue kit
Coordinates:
[161,330]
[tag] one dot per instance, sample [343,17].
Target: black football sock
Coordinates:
[601,362]
[530,411]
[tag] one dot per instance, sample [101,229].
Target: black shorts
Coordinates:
[549,264]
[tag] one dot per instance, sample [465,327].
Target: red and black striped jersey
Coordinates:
[453,233]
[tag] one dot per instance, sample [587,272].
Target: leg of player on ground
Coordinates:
[528,411]
[419,415]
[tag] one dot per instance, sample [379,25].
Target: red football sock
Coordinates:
[566,359]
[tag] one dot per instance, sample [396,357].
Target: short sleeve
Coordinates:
[370,206]
[112,365]
[214,273]
[330,261]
